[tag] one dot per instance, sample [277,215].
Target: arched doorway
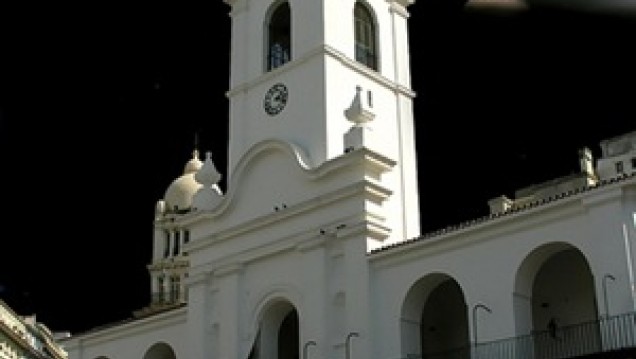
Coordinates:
[160,351]
[278,334]
[555,301]
[434,319]
[288,336]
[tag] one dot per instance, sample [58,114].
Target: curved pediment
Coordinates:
[276,181]
[266,147]
[270,176]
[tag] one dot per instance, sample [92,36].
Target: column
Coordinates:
[229,319]
[202,340]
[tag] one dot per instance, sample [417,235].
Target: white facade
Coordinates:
[315,251]
[23,337]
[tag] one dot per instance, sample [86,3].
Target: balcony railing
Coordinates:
[167,298]
[609,334]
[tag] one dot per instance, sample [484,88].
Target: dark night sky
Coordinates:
[99,107]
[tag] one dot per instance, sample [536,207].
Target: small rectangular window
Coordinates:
[177,243]
[634,163]
[166,248]
[619,167]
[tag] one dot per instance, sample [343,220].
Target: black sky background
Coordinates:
[99,108]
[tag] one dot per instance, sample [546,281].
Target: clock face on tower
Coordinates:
[275,99]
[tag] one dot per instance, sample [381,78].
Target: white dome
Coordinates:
[179,194]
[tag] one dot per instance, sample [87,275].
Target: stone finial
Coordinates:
[359,111]
[160,208]
[586,161]
[500,204]
[208,176]
[209,196]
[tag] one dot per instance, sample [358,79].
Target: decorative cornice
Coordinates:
[198,278]
[371,191]
[324,50]
[376,193]
[582,196]
[129,327]
[363,70]
[304,240]
[369,229]
[399,6]
[228,269]
[169,263]
[316,241]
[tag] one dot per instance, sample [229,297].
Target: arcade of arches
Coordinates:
[554,287]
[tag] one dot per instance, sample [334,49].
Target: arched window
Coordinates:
[175,293]
[365,36]
[159,296]
[166,243]
[177,242]
[279,37]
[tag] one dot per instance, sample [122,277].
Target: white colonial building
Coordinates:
[23,337]
[315,251]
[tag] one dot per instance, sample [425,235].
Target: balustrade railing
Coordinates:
[608,334]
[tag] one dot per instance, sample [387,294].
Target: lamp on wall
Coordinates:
[605,301]
[475,307]
[348,343]
[311,342]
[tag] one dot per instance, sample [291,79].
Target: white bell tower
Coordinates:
[304,72]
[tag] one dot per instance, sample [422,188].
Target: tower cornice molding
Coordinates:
[399,6]
[333,53]
[372,192]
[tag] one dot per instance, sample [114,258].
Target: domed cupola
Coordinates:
[178,196]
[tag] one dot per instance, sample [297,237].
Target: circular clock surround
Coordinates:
[275,99]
